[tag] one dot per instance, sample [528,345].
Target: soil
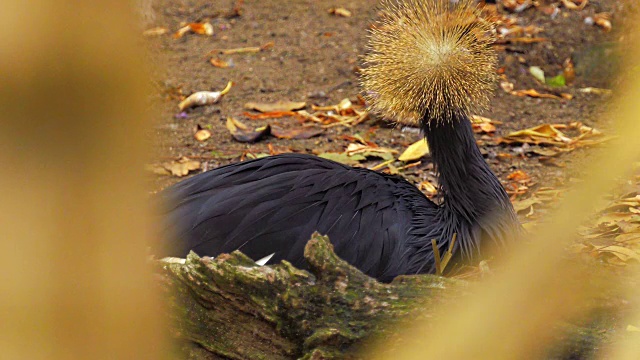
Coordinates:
[315,57]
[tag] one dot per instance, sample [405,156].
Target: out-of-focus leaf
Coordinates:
[277,106]
[343,158]
[596,91]
[273,115]
[519,175]
[198,28]
[575,4]
[178,168]
[522,205]
[537,73]
[340,12]
[541,134]
[202,134]
[415,151]
[568,71]
[369,151]
[156,31]
[631,328]
[296,133]
[557,81]
[219,63]
[201,98]
[427,187]
[243,133]
[603,20]
[623,253]
[535,94]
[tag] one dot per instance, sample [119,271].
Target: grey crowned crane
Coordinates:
[429,63]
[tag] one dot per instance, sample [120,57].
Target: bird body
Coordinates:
[268,208]
[273,205]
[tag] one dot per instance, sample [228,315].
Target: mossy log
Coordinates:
[231,308]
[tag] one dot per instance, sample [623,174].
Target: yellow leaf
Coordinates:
[632,328]
[415,151]
[277,106]
[621,253]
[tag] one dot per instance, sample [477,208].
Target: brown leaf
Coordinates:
[518,175]
[273,115]
[535,94]
[202,134]
[620,252]
[201,98]
[575,4]
[156,31]
[603,20]
[526,204]
[250,49]
[277,106]
[340,12]
[243,133]
[296,133]
[198,28]
[568,71]
[180,167]
[219,63]
[541,134]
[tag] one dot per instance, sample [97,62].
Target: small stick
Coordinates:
[436,255]
[251,49]
[382,165]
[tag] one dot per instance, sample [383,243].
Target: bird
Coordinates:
[428,63]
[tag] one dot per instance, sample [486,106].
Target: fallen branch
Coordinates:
[231,308]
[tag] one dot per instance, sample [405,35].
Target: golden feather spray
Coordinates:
[429,61]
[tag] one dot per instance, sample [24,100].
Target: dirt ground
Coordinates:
[315,58]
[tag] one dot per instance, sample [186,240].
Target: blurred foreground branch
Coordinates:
[229,307]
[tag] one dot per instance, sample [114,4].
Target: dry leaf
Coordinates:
[568,71]
[243,133]
[156,31]
[198,28]
[367,150]
[277,106]
[526,204]
[596,91]
[621,253]
[541,134]
[575,4]
[201,98]
[506,86]
[297,133]
[415,151]
[519,175]
[219,63]
[631,328]
[202,134]
[343,158]
[484,128]
[517,5]
[273,115]
[251,49]
[179,167]
[428,187]
[340,12]
[535,94]
[537,73]
[603,20]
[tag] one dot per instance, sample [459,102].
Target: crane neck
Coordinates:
[469,188]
